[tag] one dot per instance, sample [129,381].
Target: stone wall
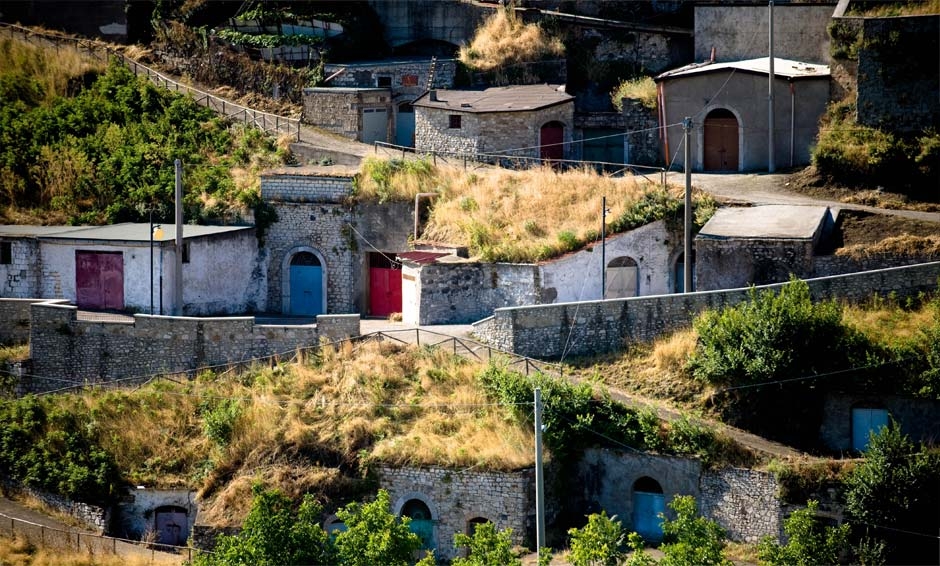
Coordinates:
[744,502]
[66,351]
[21,277]
[408,77]
[455,497]
[739,262]
[916,417]
[204,537]
[136,511]
[492,132]
[340,110]
[897,73]
[90,516]
[548,331]
[14,320]
[278,186]
[641,144]
[824,266]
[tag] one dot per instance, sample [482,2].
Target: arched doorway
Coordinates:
[622,278]
[721,141]
[421,522]
[866,420]
[405,125]
[306,285]
[678,274]
[551,139]
[171,525]
[648,503]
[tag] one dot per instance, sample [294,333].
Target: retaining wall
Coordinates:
[553,331]
[67,352]
[744,502]
[14,320]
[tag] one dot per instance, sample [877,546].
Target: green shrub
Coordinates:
[486,547]
[219,421]
[601,542]
[808,542]
[642,89]
[690,539]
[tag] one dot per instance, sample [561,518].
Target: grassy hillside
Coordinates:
[82,143]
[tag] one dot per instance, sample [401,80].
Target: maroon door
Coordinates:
[99,280]
[550,139]
[721,141]
[384,291]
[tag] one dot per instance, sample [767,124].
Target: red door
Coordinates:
[384,291]
[99,280]
[550,139]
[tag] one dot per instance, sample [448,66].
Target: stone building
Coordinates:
[326,253]
[525,121]
[406,78]
[116,267]
[727,102]
[361,114]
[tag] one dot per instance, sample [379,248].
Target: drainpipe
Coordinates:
[418,198]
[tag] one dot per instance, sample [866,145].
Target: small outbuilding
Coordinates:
[524,121]
[729,107]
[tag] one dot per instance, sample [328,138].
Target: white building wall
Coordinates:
[410,294]
[223,275]
[20,278]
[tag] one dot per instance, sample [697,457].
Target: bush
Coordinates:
[689,539]
[602,542]
[374,536]
[486,547]
[808,542]
[642,89]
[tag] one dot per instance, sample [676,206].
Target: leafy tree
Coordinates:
[808,544]
[598,543]
[691,540]
[374,535]
[896,489]
[274,535]
[638,555]
[487,547]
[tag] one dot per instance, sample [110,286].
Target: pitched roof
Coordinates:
[785,68]
[518,98]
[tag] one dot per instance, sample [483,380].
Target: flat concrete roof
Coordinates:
[137,232]
[771,221]
[782,68]
[516,98]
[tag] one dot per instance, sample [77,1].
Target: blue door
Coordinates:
[646,510]
[306,285]
[866,421]
[421,522]
[405,126]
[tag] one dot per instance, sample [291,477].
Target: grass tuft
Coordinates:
[504,39]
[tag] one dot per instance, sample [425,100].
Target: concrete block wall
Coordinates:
[548,331]
[65,351]
[454,497]
[743,502]
[20,278]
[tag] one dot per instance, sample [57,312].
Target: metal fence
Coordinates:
[89,543]
[267,122]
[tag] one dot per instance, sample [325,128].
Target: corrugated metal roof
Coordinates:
[29,230]
[782,68]
[138,232]
[775,221]
[517,98]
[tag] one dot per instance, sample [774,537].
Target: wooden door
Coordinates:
[99,280]
[551,137]
[721,141]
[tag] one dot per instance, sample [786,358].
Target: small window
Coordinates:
[384,81]
[454,121]
[185,252]
[6,253]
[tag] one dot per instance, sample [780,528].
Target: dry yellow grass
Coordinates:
[888,323]
[52,68]
[642,89]
[21,552]
[503,39]
[891,9]
[905,244]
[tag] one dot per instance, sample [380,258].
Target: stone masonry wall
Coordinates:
[283,187]
[462,293]
[898,80]
[545,331]
[454,497]
[66,351]
[641,146]
[743,502]
[724,263]
[340,111]
[407,77]
[91,516]
[824,266]
[14,320]
[20,278]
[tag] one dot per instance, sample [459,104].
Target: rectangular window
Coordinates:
[384,82]
[6,253]
[454,121]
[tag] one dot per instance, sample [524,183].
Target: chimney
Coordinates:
[432,95]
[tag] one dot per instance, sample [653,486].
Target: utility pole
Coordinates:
[151,259]
[687,253]
[539,477]
[771,166]
[603,247]
[178,271]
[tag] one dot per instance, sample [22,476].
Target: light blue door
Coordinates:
[421,522]
[405,126]
[646,510]
[306,290]
[866,421]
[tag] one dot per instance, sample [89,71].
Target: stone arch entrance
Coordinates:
[648,502]
[622,278]
[422,523]
[721,141]
[304,279]
[551,140]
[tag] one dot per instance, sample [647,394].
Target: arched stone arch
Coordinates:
[623,278]
[699,163]
[286,263]
[426,529]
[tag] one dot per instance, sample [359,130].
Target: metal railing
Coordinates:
[90,543]
[265,121]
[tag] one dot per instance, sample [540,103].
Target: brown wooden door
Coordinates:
[99,280]
[721,141]
[550,139]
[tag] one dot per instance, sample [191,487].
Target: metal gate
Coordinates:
[384,285]
[171,526]
[646,510]
[421,522]
[99,280]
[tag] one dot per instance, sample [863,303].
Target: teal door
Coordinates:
[306,285]
[646,510]
[421,522]
[405,126]
[866,421]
